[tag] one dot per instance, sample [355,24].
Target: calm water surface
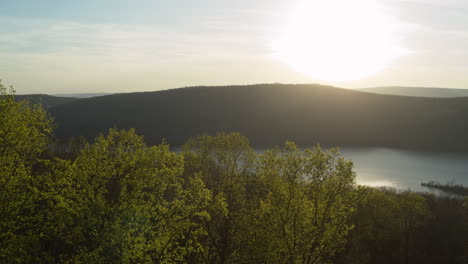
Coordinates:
[407,169]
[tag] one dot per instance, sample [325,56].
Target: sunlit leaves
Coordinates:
[143,209]
[307,203]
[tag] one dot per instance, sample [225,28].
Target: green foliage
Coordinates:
[134,205]
[118,200]
[387,223]
[225,163]
[306,203]
[284,206]
[24,134]
[24,128]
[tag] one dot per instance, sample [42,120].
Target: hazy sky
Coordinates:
[70,46]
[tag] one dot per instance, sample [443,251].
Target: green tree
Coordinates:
[413,214]
[134,206]
[24,134]
[25,129]
[387,223]
[225,162]
[375,237]
[444,237]
[306,205]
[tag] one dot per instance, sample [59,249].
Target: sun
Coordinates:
[338,40]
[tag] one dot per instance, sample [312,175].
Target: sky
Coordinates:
[91,46]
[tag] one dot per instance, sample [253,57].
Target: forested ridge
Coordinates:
[46,101]
[118,200]
[418,91]
[272,113]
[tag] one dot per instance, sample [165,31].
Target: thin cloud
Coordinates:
[114,40]
[71,55]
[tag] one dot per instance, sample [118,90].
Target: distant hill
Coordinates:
[45,100]
[417,91]
[53,100]
[82,95]
[270,114]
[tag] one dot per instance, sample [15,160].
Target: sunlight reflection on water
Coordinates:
[407,169]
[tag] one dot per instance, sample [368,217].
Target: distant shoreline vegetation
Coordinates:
[449,187]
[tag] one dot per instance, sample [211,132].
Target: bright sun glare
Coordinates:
[338,40]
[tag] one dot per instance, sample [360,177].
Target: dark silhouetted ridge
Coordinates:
[269,114]
[45,100]
[418,91]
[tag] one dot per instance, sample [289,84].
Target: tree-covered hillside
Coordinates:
[47,101]
[272,113]
[418,91]
[118,200]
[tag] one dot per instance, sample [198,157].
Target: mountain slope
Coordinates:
[82,95]
[417,91]
[45,100]
[270,114]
